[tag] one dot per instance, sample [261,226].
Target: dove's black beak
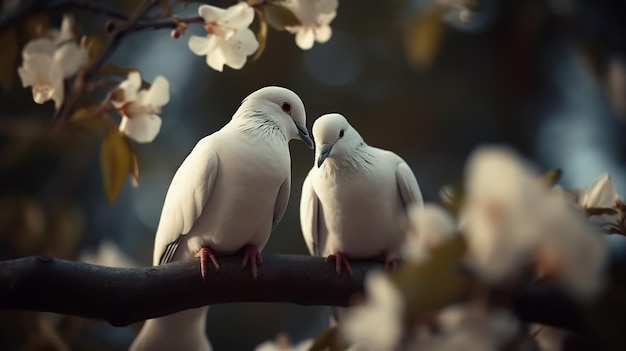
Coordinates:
[304,135]
[324,152]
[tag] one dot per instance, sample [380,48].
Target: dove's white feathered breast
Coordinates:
[355,196]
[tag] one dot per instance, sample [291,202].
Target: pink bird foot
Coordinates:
[340,259]
[205,255]
[252,255]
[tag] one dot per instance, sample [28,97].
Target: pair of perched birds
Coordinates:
[233,188]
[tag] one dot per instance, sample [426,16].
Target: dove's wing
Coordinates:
[309,216]
[281,202]
[407,185]
[186,198]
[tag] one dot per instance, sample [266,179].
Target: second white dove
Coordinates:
[354,197]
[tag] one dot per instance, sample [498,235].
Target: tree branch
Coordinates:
[123,296]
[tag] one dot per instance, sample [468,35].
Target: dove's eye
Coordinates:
[341,134]
[286,107]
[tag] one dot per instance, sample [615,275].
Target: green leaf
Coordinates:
[328,340]
[94,45]
[92,119]
[437,282]
[261,35]
[117,160]
[280,17]
[8,59]
[423,38]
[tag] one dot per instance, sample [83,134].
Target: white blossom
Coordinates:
[568,250]
[601,193]
[139,108]
[48,61]
[315,17]
[510,220]
[501,198]
[430,227]
[229,40]
[377,325]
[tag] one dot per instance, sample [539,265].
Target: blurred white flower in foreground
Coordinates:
[315,17]
[229,40]
[510,220]
[430,227]
[108,255]
[139,108]
[501,199]
[282,344]
[48,61]
[468,327]
[376,325]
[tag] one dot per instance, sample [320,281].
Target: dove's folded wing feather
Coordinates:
[281,202]
[309,212]
[186,198]
[407,185]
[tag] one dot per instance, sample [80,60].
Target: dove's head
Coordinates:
[283,107]
[334,138]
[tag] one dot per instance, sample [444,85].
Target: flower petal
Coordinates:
[238,16]
[305,38]
[215,59]
[158,94]
[237,49]
[38,47]
[131,87]
[66,30]
[201,45]
[323,34]
[142,129]
[210,13]
[70,58]
[601,194]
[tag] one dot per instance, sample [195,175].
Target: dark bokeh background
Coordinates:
[546,77]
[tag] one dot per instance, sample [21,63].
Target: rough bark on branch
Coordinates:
[123,296]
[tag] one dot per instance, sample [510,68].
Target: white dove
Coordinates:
[354,197]
[227,196]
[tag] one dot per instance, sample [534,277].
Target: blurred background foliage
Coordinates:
[430,83]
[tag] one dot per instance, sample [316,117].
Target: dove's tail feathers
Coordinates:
[169,251]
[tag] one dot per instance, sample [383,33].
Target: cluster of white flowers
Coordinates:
[47,61]
[229,41]
[139,108]
[315,17]
[511,220]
